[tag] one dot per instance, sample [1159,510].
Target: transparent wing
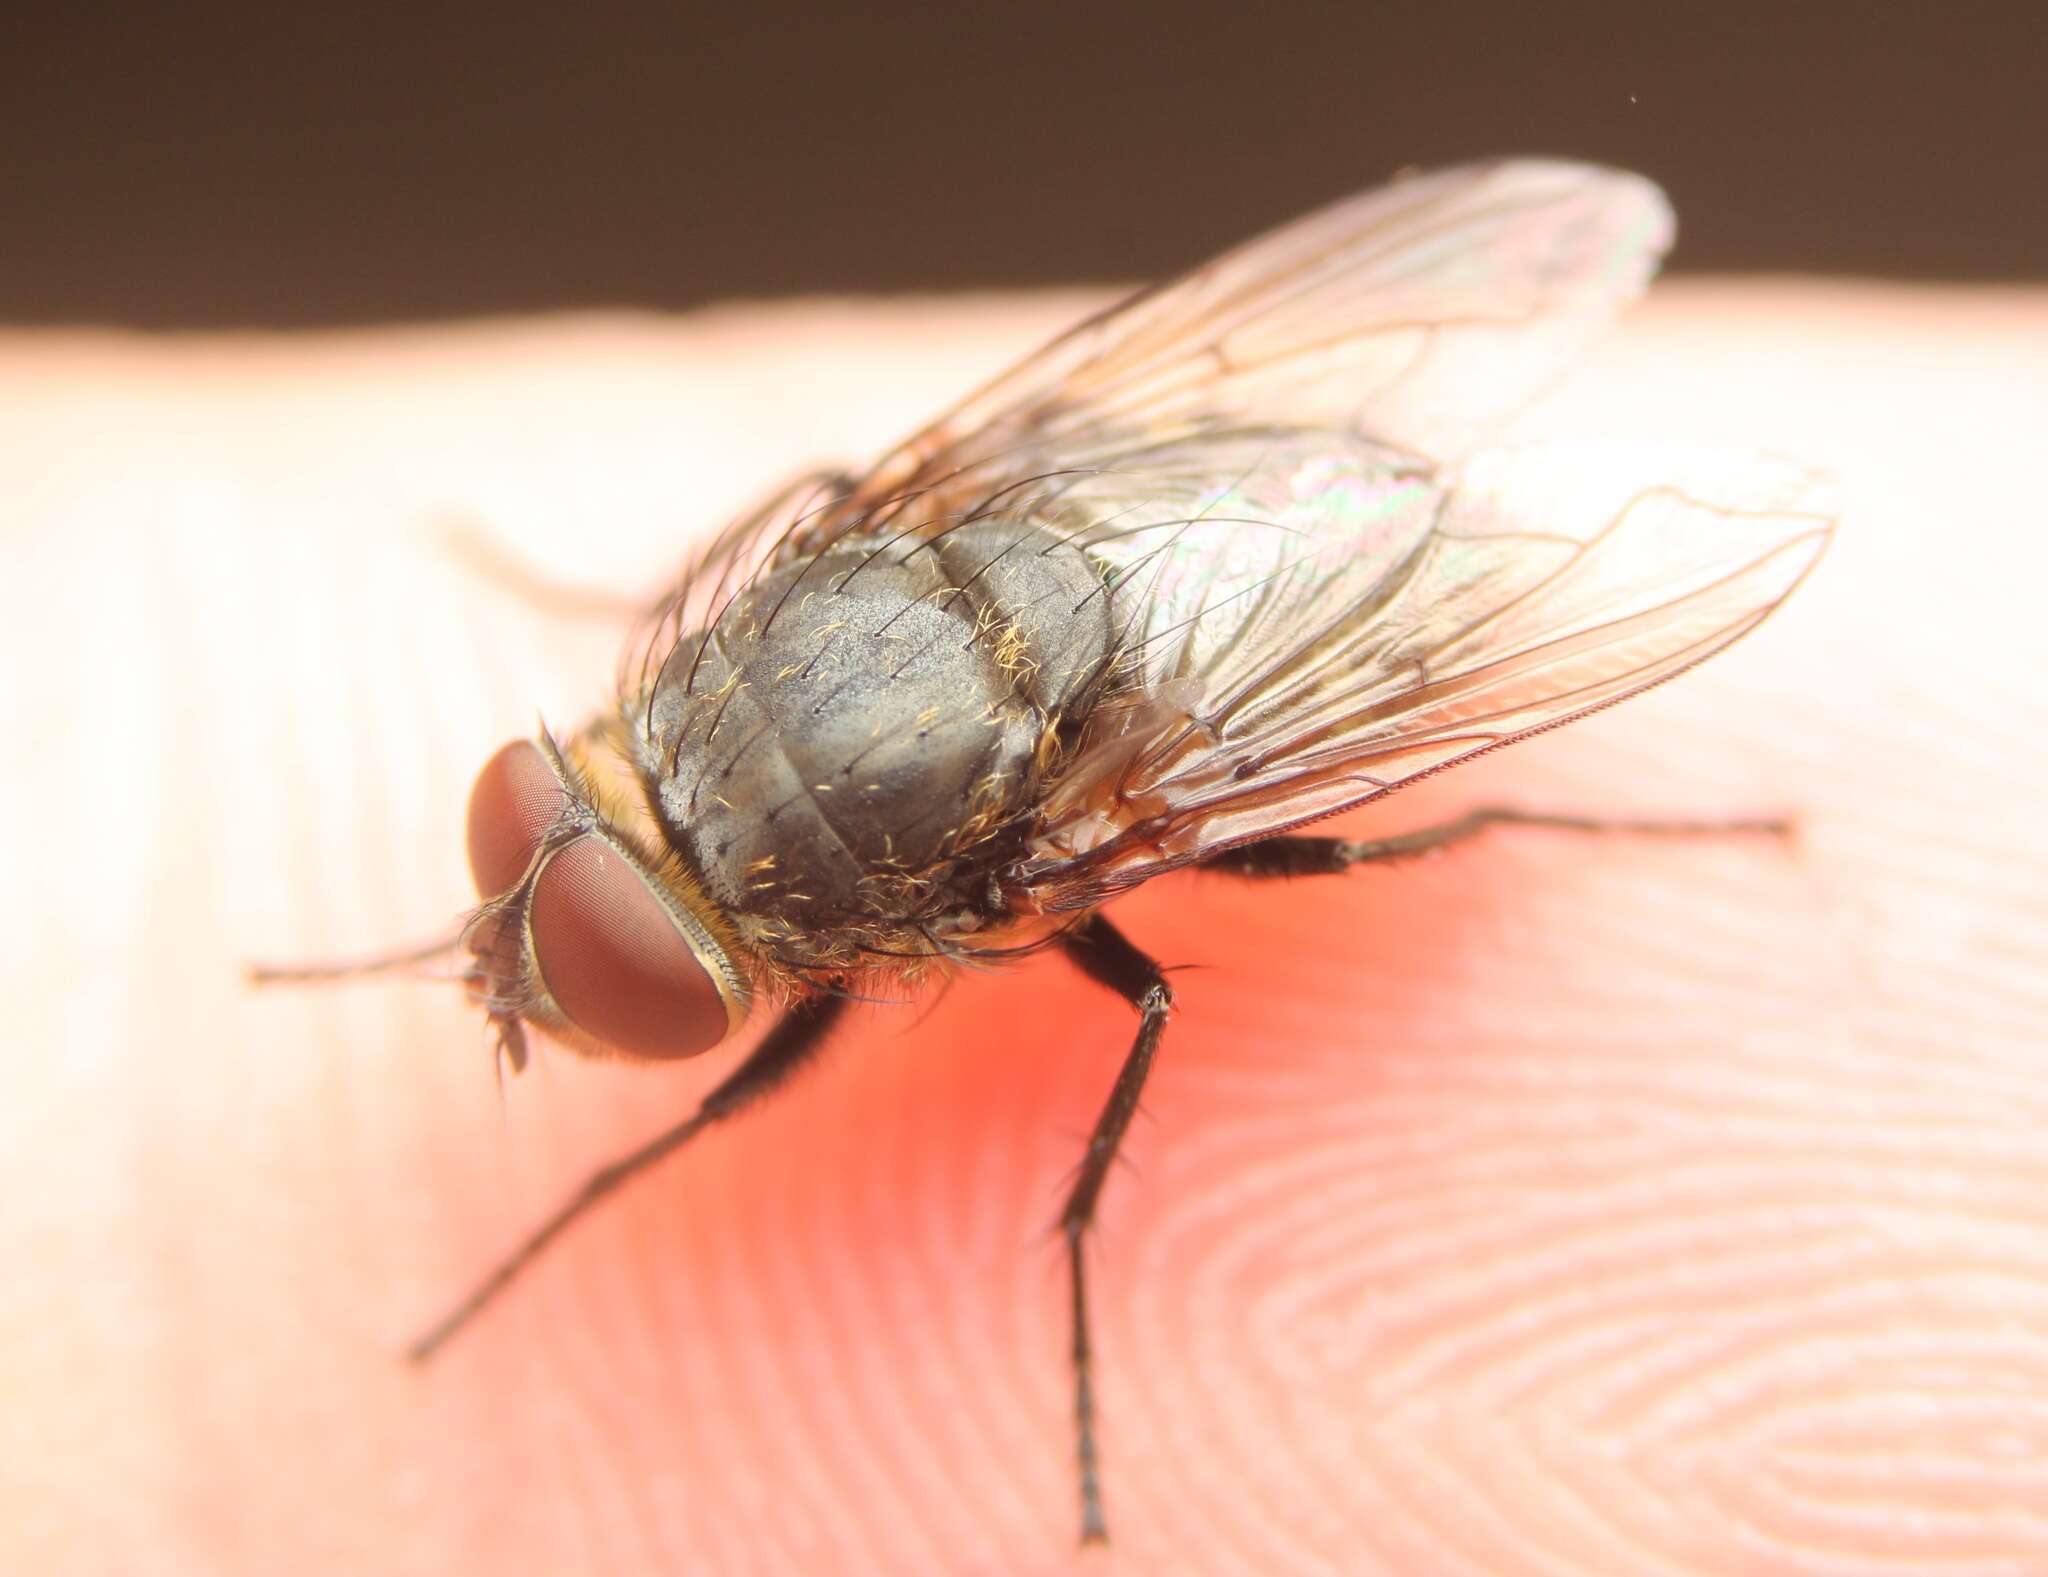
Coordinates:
[1329,621]
[1420,314]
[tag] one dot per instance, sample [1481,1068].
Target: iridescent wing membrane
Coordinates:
[1321,591]
[1419,314]
[1373,622]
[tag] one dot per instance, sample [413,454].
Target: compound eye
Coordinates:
[516,799]
[615,960]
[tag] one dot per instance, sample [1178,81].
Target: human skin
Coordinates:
[1552,1204]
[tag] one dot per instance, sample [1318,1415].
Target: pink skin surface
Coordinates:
[1551,1205]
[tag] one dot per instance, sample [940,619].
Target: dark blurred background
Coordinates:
[269,163]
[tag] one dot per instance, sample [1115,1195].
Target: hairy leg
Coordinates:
[1104,954]
[787,1046]
[1290,855]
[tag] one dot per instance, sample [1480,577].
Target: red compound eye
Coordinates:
[516,799]
[616,962]
[613,956]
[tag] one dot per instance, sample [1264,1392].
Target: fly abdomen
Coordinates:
[864,720]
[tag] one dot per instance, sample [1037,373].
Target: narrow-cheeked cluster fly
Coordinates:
[1225,559]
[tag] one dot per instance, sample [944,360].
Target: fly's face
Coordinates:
[582,932]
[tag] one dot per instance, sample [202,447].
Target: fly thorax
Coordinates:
[859,724]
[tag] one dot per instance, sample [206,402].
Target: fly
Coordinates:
[1225,559]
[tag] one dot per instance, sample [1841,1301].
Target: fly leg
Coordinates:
[786,1048]
[490,560]
[325,971]
[1106,956]
[504,568]
[1310,856]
